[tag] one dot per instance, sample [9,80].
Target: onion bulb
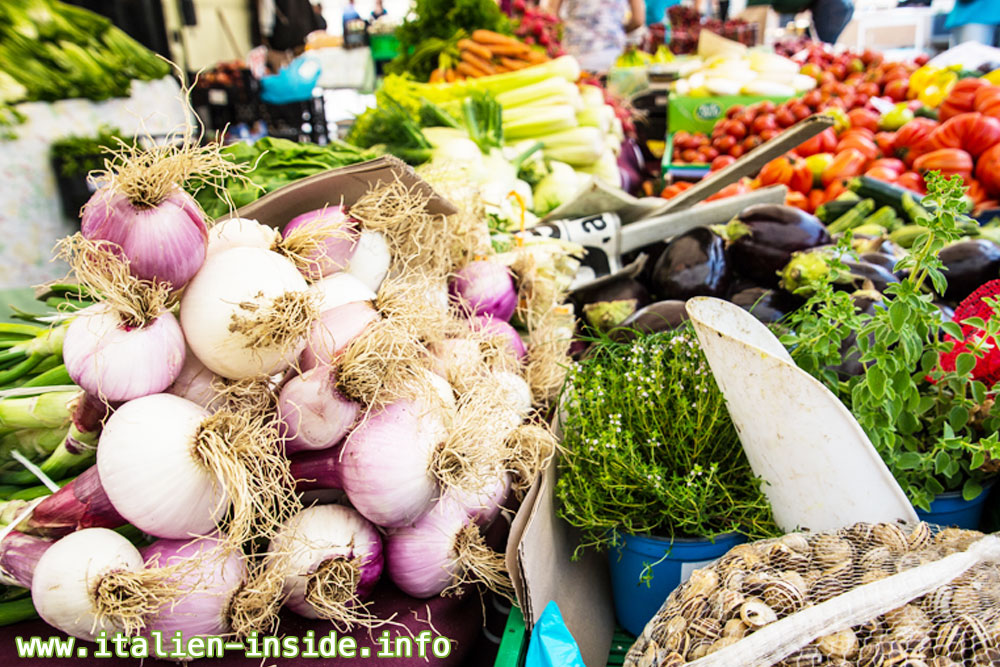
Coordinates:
[323,240]
[247,313]
[19,556]
[313,413]
[340,288]
[506,333]
[194,382]
[241,233]
[371,260]
[486,288]
[334,331]
[331,557]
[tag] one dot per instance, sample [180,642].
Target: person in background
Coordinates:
[829,17]
[379,10]
[656,10]
[284,25]
[594,30]
[974,21]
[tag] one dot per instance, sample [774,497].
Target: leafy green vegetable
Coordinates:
[649,446]
[278,163]
[434,23]
[935,429]
[82,155]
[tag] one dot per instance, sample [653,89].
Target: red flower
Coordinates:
[987,369]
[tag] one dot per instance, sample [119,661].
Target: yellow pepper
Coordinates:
[933,93]
[993,77]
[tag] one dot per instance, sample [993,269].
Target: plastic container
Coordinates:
[670,565]
[950,509]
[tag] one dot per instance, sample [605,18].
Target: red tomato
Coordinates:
[724,143]
[885,141]
[987,100]
[722,161]
[800,111]
[812,98]
[912,181]
[946,160]
[972,132]
[690,155]
[824,142]
[733,110]
[778,171]
[863,145]
[752,142]
[869,88]
[737,150]
[835,188]
[988,171]
[708,153]
[863,118]
[890,163]
[816,197]
[961,98]
[761,123]
[975,191]
[767,135]
[912,139]
[767,106]
[740,187]
[883,174]
[735,128]
[798,200]
[784,117]
[863,132]
[896,90]
[846,164]
[802,176]
[675,189]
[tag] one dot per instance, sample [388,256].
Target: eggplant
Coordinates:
[763,237]
[968,265]
[767,305]
[620,286]
[693,264]
[808,267]
[864,272]
[659,316]
[849,366]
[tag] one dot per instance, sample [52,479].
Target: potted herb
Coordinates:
[918,390]
[73,158]
[652,467]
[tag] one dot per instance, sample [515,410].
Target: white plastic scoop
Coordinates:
[820,470]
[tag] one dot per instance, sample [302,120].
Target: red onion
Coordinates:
[484,505]
[338,236]
[334,560]
[19,553]
[165,243]
[386,463]
[119,362]
[80,504]
[317,470]
[492,325]
[209,575]
[334,332]
[313,413]
[486,288]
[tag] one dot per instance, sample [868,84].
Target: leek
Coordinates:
[564,67]
[531,122]
[600,117]
[544,90]
[577,147]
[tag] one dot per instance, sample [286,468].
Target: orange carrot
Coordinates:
[490,37]
[501,69]
[510,49]
[477,62]
[465,69]
[478,49]
[449,75]
[536,57]
[514,64]
[437,76]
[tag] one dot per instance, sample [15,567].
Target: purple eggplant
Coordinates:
[659,316]
[763,237]
[620,286]
[767,305]
[693,264]
[969,264]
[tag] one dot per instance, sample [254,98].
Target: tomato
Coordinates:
[784,117]
[798,200]
[690,155]
[988,171]
[912,181]
[846,164]
[961,98]
[897,89]
[708,153]
[836,188]
[863,145]
[722,161]
[735,128]
[883,174]
[733,110]
[681,139]
[891,163]
[800,111]
[885,142]
[869,88]
[824,142]
[767,135]
[675,189]
[816,197]
[912,139]
[752,142]
[767,106]
[987,100]
[778,171]
[724,143]
[740,187]
[975,191]
[862,132]
[946,160]
[761,123]
[863,118]
[973,132]
[817,165]
[737,150]
[812,98]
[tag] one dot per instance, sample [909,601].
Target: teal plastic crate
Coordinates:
[514,643]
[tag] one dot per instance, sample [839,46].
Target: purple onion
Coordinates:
[334,331]
[486,288]
[80,504]
[336,250]
[497,327]
[166,242]
[19,553]
[210,578]
[317,470]
[194,382]
[484,504]
[321,535]
[314,415]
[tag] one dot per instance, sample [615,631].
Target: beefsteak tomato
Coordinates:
[948,161]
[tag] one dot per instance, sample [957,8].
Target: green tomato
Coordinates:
[895,119]
[817,165]
[841,121]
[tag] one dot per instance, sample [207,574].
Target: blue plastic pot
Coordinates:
[669,563]
[950,509]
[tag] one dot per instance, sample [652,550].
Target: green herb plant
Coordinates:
[649,447]
[936,429]
[78,156]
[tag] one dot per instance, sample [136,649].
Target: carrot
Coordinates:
[437,76]
[478,49]
[536,57]
[465,69]
[513,64]
[449,75]
[489,37]
[510,49]
[501,69]
[485,65]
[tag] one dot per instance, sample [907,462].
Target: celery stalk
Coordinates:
[529,123]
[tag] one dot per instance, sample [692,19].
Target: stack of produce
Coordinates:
[224,370]
[536,26]
[486,52]
[728,68]
[687,24]
[53,51]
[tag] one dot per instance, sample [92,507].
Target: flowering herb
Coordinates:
[935,425]
[649,446]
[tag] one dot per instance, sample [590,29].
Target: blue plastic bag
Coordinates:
[293,83]
[552,645]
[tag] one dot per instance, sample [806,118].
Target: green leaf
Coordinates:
[953,329]
[958,417]
[897,315]
[907,423]
[978,392]
[941,462]
[876,381]
[934,487]
[908,461]
[971,489]
[975,322]
[978,459]
[965,363]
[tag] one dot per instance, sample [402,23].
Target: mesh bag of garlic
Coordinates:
[871,595]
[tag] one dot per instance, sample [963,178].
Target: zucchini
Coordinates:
[912,208]
[884,194]
[835,208]
[868,229]
[885,218]
[853,218]
[906,235]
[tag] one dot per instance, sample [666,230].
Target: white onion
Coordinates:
[194,382]
[241,233]
[147,465]
[314,414]
[340,288]
[371,260]
[67,577]
[455,359]
[518,393]
[317,535]
[228,289]
[119,363]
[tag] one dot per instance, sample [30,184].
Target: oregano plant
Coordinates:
[936,428]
